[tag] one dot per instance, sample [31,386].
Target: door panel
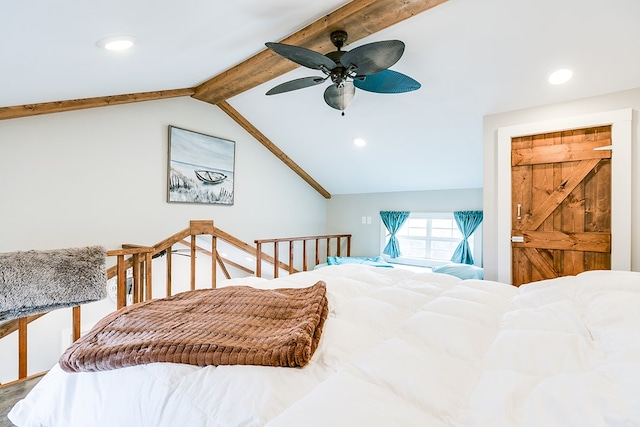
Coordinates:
[561,189]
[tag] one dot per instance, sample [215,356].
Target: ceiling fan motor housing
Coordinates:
[339,73]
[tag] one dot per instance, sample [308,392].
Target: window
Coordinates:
[428,239]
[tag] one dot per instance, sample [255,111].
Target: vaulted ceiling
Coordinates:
[473,57]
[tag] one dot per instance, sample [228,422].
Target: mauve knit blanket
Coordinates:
[237,325]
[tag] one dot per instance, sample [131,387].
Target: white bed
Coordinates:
[399,348]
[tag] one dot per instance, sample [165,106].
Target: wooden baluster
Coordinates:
[193,262]
[76,323]
[349,245]
[275,260]
[317,251]
[338,246]
[214,259]
[304,255]
[169,258]
[122,292]
[22,347]
[291,257]
[136,292]
[148,282]
[258,259]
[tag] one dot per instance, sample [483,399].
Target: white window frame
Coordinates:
[425,262]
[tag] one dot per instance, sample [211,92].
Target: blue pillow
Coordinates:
[463,271]
[376,261]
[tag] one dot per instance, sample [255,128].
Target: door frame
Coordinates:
[621,181]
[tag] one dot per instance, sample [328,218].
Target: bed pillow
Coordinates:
[463,271]
[375,261]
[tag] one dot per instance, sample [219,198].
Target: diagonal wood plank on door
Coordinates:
[560,193]
[538,262]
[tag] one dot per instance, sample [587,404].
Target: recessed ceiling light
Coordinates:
[359,142]
[115,42]
[560,76]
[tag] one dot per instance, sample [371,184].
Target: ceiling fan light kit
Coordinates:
[365,67]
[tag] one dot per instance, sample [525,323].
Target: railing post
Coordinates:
[122,291]
[291,257]
[304,255]
[22,347]
[275,260]
[76,323]
[193,262]
[148,280]
[258,259]
[214,259]
[169,258]
[136,292]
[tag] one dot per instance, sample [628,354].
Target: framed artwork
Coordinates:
[201,168]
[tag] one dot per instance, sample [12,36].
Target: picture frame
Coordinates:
[201,168]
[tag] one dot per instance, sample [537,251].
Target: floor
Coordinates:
[10,394]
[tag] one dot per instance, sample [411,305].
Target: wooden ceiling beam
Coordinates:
[253,131]
[80,104]
[360,18]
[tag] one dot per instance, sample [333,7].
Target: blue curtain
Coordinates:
[467,222]
[393,221]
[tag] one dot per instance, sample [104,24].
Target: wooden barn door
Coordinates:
[561,204]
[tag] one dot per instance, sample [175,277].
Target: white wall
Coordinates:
[99,177]
[345,212]
[557,116]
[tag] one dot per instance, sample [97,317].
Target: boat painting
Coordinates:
[210,177]
[201,168]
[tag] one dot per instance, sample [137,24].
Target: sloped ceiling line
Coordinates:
[360,18]
[81,104]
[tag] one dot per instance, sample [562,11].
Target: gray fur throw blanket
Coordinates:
[33,282]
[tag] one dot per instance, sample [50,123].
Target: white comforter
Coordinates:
[399,349]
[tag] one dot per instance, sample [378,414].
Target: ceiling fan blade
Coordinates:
[296,84]
[340,96]
[302,56]
[387,81]
[373,57]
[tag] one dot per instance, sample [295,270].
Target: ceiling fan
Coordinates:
[365,67]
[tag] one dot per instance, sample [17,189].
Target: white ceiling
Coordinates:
[473,57]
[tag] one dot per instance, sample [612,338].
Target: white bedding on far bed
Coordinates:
[399,348]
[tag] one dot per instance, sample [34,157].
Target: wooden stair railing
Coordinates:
[135,257]
[139,259]
[318,249]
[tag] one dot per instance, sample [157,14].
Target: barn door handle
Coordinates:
[519,217]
